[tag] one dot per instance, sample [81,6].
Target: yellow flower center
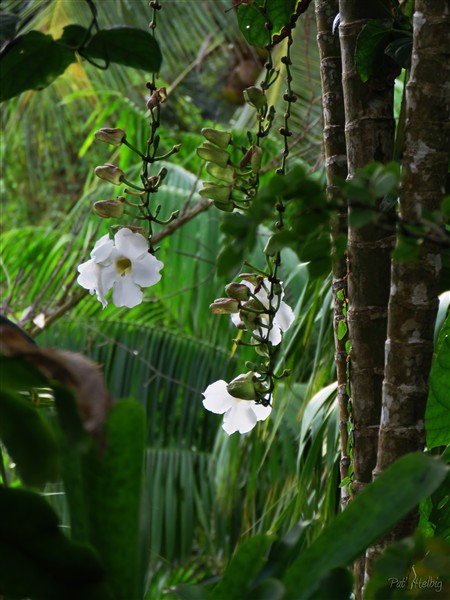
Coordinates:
[123,266]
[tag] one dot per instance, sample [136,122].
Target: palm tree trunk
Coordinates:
[413,300]
[335,166]
[369,133]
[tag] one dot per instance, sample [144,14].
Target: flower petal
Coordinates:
[129,244]
[240,418]
[275,335]
[284,317]
[88,275]
[217,399]
[145,270]
[261,412]
[102,250]
[126,292]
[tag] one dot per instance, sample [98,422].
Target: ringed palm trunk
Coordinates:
[413,300]
[335,166]
[369,130]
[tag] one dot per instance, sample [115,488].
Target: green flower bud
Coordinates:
[110,136]
[243,387]
[238,291]
[110,173]
[215,155]
[226,207]
[256,98]
[255,159]
[108,209]
[219,138]
[224,306]
[227,174]
[221,193]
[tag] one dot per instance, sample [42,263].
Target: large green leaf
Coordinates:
[244,566]
[370,47]
[38,561]
[113,494]
[32,62]
[380,506]
[27,436]
[280,13]
[126,46]
[437,416]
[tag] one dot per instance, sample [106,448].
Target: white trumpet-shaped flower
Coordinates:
[283,318]
[239,415]
[123,265]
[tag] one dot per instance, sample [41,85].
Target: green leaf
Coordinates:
[406,249]
[359,217]
[38,561]
[190,592]
[400,50]
[127,46]
[376,510]
[342,329]
[28,439]
[370,47]
[113,488]
[73,36]
[437,415]
[280,13]
[32,62]
[243,568]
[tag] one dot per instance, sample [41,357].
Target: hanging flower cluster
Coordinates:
[123,265]
[255,305]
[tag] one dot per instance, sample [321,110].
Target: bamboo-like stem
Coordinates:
[413,299]
[335,166]
[369,133]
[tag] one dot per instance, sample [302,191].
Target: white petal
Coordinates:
[103,249]
[275,335]
[129,244]
[88,275]
[145,270]
[284,316]
[237,320]
[126,292]
[261,412]
[217,399]
[240,418]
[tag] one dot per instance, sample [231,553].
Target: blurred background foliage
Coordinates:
[205,492]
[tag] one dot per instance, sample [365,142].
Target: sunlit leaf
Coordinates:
[437,416]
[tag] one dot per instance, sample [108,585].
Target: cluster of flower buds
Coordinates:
[237,183]
[256,305]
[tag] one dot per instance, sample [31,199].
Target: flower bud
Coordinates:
[108,209]
[157,98]
[243,387]
[215,155]
[110,136]
[255,159]
[224,306]
[226,207]
[219,138]
[222,173]
[110,173]
[256,98]
[238,291]
[251,278]
[221,193]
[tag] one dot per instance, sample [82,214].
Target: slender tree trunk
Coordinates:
[413,299]
[335,166]
[369,133]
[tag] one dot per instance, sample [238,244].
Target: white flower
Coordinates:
[283,319]
[123,265]
[239,415]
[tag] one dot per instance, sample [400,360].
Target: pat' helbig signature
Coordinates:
[412,581]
